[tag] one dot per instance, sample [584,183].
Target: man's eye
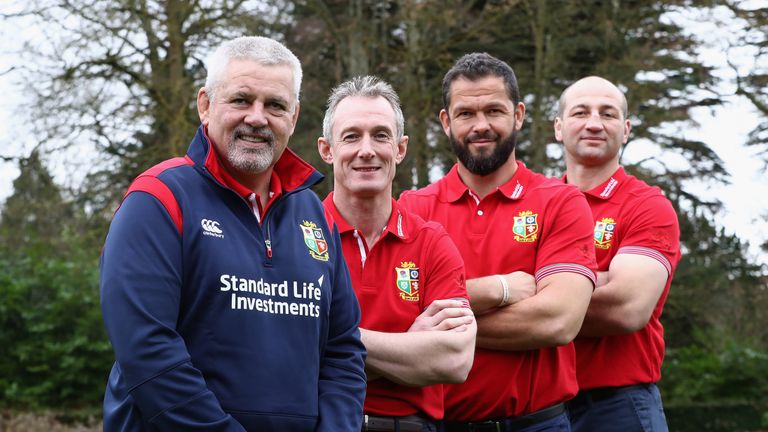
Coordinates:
[382,137]
[349,138]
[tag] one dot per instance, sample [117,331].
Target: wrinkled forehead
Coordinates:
[277,78]
[482,91]
[364,112]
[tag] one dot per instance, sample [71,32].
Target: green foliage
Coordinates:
[716,417]
[697,374]
[55,350]
[56,353]
[724,391]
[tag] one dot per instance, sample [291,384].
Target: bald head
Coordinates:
[594,86]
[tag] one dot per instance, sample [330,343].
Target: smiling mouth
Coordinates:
[255,139]
[366,169]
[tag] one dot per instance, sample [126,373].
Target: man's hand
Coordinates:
[443,315]
[521,286]
[487,292]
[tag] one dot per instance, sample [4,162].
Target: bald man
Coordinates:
[620,347]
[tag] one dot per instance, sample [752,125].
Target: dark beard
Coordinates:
[483,164]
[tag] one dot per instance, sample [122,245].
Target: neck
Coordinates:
[258,183]
[484,185]
[368,215]
[589,177]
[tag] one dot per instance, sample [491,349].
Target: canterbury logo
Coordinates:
[211,228]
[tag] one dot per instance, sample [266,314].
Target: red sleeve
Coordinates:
[445,277]
[653,230]
[567,242]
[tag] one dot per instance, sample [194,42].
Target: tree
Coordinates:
[32,217]
[753,85]
[55,351]
[122,77]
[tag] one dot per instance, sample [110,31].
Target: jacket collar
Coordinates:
[290,172]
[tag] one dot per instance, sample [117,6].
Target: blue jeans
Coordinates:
[557,424]
[627,409]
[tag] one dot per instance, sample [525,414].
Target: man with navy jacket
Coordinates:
[225,293]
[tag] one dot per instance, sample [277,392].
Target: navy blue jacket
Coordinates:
[220,322]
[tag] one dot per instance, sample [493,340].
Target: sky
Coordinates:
[724,129]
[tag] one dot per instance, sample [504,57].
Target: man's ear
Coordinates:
[402,148]
[519,115]
[445,121]
[558,129]
[627,129]
[203,105]
[324,148]
[295,117]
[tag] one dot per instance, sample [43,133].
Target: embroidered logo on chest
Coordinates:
[315,241]
[605,229]
[211,228]
[408,281]
[526,227]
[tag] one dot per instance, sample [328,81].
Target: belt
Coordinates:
[602,393]
[411,423]
[508,424]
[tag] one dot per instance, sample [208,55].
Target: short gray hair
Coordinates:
[262,50]
[364,86]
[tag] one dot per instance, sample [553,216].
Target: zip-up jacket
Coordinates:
[224,321]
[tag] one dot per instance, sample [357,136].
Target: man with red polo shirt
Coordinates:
[527,247]
[416,323]
[620,347]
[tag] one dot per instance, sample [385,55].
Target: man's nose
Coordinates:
[256,116]
[594,122]
[366,147]
[481,123]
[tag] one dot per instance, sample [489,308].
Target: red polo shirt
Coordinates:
[413,264]
[532,224]
[630,217]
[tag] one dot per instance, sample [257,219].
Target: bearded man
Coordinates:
[527,246]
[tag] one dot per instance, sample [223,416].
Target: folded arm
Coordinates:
[487,292]
[552,317]
[438,348]
[626,296]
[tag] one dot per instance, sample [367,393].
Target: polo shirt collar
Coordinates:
[395,225]
[609,187]
[513,189]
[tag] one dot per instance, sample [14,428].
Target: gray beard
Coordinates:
[247,159]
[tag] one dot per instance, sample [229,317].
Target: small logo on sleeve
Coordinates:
[605,229]
[526,227]
[408,281]
[211,228]
[315,241]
